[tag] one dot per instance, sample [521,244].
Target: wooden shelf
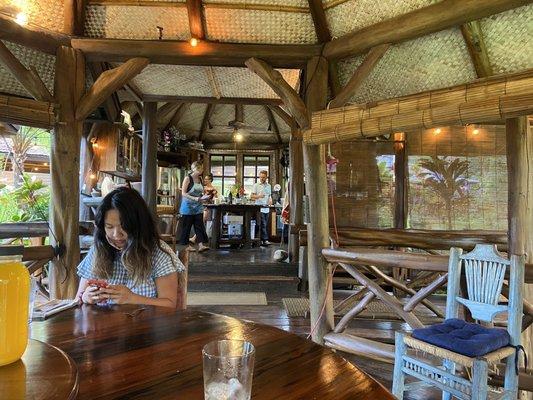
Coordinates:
[123,175]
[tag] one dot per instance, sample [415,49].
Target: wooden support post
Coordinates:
[296,191]
[149,156]
[320,285]
[74,17]
[401,186]
[64,171]
[519,138]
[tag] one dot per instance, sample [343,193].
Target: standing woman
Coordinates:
[137,267]
[192,207]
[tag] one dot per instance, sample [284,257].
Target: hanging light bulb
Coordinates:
[437,131]
[475,131]
[238,136]
[92,176]
[21,19]
[193,42]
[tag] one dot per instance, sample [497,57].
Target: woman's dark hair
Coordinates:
[143,236]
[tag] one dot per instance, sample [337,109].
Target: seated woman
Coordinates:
[127,253]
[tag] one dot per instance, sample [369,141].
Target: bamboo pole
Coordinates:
[519,139]
[149,156]
[320,286]
[296,191]
[64,171]
[19,111]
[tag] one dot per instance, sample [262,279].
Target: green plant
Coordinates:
[447,179]
[32,198]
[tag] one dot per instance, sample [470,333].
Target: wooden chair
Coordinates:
[485,271]
[182,280]
[169,212]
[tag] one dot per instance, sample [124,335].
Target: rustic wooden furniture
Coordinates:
[485,271]
[248,211]
[121,154]
[168,213]
[157,353]
[44,372]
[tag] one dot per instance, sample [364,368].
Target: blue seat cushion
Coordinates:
[469,339]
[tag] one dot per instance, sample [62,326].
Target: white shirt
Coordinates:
[262,188]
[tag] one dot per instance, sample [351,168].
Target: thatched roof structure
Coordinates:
[432,61]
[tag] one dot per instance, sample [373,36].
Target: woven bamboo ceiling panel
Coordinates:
[43,13]
[256,116]
[191,121]
[222,114]
[432,62]
[356,14]
[181,80]
[283,127]
[134,22]
[509,39]
[290,3]
[253,26]
[44,63]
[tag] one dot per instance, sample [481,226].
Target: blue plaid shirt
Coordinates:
[162,264]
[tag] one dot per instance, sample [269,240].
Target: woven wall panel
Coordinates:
[252,26]
[241,82]
[256,116]
[46,14]
[509,39]
[44,63]
[356,14]
[431,62]
[132,22]
[179,80]
[191,121]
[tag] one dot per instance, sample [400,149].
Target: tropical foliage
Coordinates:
[28,202]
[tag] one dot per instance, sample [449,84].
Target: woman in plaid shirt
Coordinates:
[138,268]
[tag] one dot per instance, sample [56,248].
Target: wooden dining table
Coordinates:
[129,352]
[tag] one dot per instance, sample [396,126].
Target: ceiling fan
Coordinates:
[237,127]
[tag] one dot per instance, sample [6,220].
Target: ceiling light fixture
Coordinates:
[238,136]
[437,131]
[194,42]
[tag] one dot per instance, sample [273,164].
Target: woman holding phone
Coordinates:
[127,254]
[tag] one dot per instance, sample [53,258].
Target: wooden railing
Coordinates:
[35,258]
[35,229]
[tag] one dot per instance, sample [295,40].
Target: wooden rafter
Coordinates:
[134,91]
[436,17]
[275,80]
[165,114]
[108,82]
[205,122]
[111,104]
[28,78]
[274,124]
[284,116]
[361,73]
[35,38]
[196,20]
[212,100]
[74,17]
[206,53]
[178,115]
[319,20]
[475,44]
[239,113]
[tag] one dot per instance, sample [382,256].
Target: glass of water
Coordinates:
[228,369]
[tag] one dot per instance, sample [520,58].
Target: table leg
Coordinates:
[246,231]
[215,228]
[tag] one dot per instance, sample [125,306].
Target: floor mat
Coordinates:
[226,299]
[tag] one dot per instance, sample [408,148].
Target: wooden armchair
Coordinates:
[485,271]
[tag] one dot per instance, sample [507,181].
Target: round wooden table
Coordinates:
[157,354]
[44,372]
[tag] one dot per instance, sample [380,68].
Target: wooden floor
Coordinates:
[274,313]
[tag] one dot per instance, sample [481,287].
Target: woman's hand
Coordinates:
[204,198]
[90,295]
[120,294]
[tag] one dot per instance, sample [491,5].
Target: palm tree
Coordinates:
[447,179]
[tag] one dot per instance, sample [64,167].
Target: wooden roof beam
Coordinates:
[111,104]
[28,78]
[475,44]
[274,124]
[434,18]
[205,122]
[132,89]
[30,36]
[290,121]
[361,73]
[205,53]
[178,115]
[74,17]
[165,114]
[196,20]
[212,100]
[275,80]
[319,21]
[107,83]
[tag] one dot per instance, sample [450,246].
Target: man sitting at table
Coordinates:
[128,263]
[262,194]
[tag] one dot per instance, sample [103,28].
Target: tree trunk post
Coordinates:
[149,156]
[296,191]
[64,171]
[320,285]
[401,186]
[520,202]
